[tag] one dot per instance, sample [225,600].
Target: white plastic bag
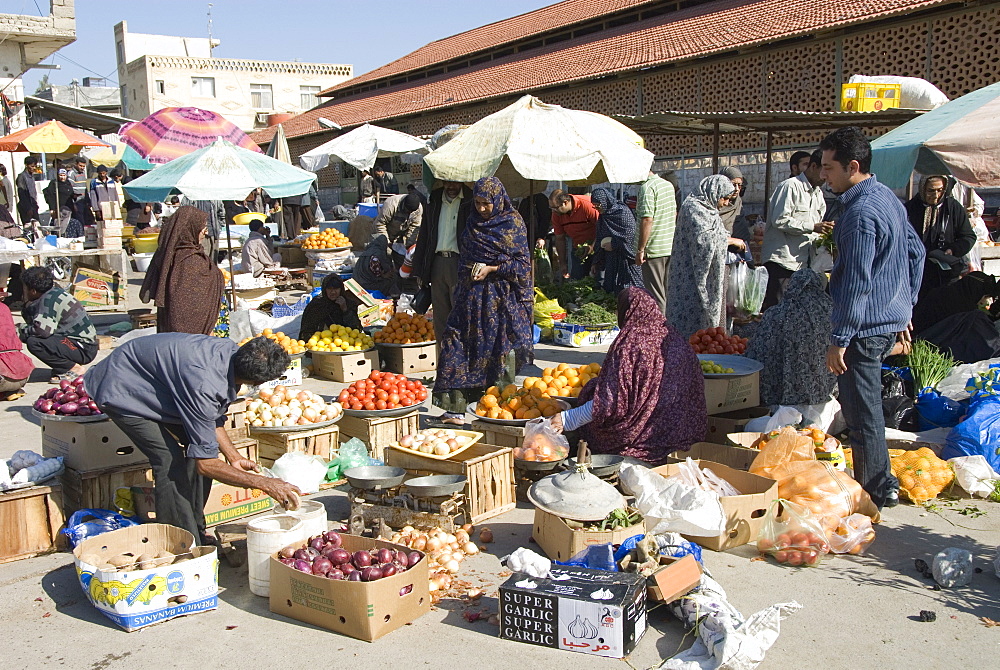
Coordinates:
[704,478]
[974,474]
[670,505]
[785,416]
[306,472]
[915,93]
[825,416]
[953,385]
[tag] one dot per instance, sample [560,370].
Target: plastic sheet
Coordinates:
[670,505]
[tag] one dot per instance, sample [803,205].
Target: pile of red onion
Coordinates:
[67,399]
[324,556]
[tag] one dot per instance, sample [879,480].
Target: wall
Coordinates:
[233,78]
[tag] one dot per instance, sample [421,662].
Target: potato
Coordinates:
[146,562]
[122,560]
[163,558]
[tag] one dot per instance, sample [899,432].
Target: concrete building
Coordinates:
[159,71]
[634,57]
[25,41]
[94,94]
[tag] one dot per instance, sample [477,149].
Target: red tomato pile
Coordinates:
[715,341]
[795,549]
[383,390]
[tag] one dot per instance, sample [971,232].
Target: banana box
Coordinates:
[161,574]
[574,335]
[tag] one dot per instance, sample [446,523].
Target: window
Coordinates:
[160,87]
[203,87]
[260,96]
[308,96]
[124,92]
[120,52]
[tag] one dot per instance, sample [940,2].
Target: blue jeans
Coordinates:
[578,269]
[861,402]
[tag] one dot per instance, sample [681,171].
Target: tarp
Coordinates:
[360,147]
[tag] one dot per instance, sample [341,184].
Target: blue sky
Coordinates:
[366,34]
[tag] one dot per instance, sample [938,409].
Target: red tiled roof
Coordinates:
[553,17]
[720,26]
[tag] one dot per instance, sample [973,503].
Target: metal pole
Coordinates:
[767,173]
[715,150]
[532,216]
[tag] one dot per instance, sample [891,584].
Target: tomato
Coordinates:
[800,540]
[795,558]
[764,545]
[369,405]
[382,394]
[782,541]
[706,339]
[421,395]
[781,556]
[356,405]
[375,375]
[343,397]
[393,398]
[380,404]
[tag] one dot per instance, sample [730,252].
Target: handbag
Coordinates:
[421,299]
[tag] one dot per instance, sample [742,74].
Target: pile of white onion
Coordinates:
[445,551]
[283,407]
[439,442]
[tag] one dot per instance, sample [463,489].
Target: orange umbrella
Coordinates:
[51,137]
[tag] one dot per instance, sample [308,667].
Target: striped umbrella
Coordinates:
[51,137]
[177,131]
[958,138]
[118,152]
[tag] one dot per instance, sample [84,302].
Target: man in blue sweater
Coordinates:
[874,286]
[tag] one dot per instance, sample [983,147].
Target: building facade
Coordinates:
[643,56]
[94,93]
[158,71]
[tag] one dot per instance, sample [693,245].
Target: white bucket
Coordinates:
[142,261]
[265,536]
[313,516]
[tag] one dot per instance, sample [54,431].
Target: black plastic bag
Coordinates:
[900,413]
[970,336]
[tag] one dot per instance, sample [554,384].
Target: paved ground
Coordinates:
[857,612]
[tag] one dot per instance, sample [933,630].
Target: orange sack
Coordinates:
[825,491]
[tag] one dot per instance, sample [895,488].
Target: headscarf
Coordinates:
[649,398]
[729,212]
[791,343]
[182,281]
[14,364]
[491,240]
[321,312]
[374,269]
[935,223]
[616,218]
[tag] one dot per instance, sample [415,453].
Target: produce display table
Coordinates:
[107,260]
[31,519]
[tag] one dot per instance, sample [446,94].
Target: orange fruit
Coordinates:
[532,414]
[489,401]
[494,412]
[504,414]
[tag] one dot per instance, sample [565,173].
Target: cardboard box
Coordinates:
[720,425]
[362,610]
[292,376]
[588,611]
[572,335]
[93,288]
[409,360]
[736,457]
[677,577]
[292,256]
[366,298]
[134,599]
[378,314]
[560,542]
[111,210]
[744,513]
[87,447]
[344,367]
[730,394]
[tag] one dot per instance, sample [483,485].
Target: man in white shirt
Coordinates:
[257,255]
[435,260]
[795,218]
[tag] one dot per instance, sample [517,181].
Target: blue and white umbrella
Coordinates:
[961,138]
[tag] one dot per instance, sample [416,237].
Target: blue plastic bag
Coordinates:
[677,550]
[595,557]
[86,523]
[937,411]
[979,434]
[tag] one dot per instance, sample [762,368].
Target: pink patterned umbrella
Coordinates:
[177,131]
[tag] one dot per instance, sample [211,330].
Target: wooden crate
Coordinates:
[409,360]
[344,367]
[498,434]
[490,470]
[97,489]
[236,421]
[30,520]
[379,433]
[322,442]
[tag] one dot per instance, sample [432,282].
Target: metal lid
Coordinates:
[576,494]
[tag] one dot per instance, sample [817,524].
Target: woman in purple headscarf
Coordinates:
[488,336]
[649,398]
[616,235]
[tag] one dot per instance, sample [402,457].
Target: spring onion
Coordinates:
[928,364]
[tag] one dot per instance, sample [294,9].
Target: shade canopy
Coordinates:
[278,148]
[220,171]
[532,140]
[961,138]
[51,137]
[115,153]
[360,147]
[173,132]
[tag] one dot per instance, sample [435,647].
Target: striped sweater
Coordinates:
[879,265]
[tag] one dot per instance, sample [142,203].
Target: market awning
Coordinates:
[78,117]
[709,123]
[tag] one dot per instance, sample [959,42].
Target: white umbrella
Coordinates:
[360,147]
[533,141]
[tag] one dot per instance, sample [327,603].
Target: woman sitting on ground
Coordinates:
[649,398]
[333,307]
[15,366]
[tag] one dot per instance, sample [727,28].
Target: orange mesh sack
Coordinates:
[825,491]
[921,474]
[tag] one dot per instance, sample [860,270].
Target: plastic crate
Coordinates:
[869,97]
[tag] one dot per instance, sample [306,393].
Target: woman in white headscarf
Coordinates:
[696,287]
